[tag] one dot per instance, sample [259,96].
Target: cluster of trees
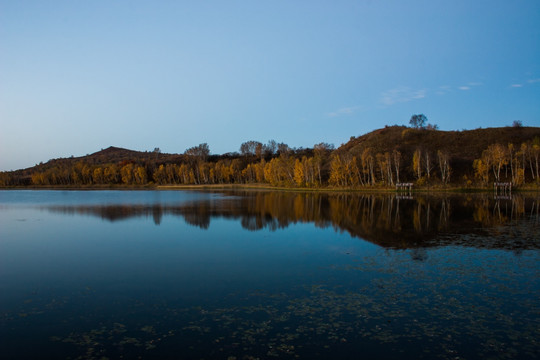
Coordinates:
[279,165]
[272,163]
[386,169]
[362,164]
[509,163]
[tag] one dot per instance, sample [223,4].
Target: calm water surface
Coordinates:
[246,275]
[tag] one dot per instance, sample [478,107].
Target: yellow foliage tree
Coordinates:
[417,163]
[299,173]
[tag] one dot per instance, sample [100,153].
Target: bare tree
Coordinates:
[444,166]
[250,148]
[396,155]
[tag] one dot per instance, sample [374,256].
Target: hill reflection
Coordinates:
[387,220]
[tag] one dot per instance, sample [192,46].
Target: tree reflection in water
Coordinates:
[300,293]
[388,220]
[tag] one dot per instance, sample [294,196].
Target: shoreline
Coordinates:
[265,187]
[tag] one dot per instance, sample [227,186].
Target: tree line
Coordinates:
[509,163]
[277,164]
[273,163]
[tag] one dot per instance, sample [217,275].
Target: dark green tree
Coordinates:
[418,121]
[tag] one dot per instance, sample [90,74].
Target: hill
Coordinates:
[463,147]
[110,155]
[467,144]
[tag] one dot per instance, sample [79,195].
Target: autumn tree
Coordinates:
[272,172]
[197,155]
[368,166]
[444,166]
[481,169]
[534,157]
[396,156]
[299,178]
[417,163]
[235,169]
[321,151]
[517,164]
[498,155]
[428,164]
[524,152]
[5,179]
[38,178]
[493,158]
[140,175]
[171,171]
[388,166]
[98,176]
[259,171]
[286,165]
[384,163]
[344,171]
[338,175]
[86,174]
[159,175]
[248,174]
[126,172]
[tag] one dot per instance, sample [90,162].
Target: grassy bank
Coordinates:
[423,189]
[267,187]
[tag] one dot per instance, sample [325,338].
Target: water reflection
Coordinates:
[79,287]
[388,220]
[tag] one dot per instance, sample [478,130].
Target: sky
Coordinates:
[80,76]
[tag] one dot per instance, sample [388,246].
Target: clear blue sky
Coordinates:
[78,76]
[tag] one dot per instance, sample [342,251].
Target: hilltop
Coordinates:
[110,155]
[466,145]
[463,146]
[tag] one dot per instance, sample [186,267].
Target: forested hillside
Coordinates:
[460,157]
[379,159]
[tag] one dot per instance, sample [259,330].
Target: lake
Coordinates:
[262,274]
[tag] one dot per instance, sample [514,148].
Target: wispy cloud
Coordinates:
[344,111]
[405,94]
[525,83]
[442,90]
[401,94]
[470,85]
